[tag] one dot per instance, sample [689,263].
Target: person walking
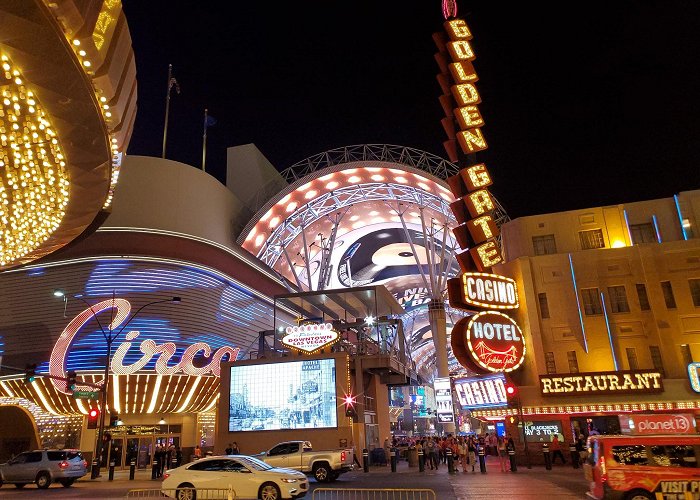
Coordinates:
[555,448]
[235,450]
[462,453]
[431,452]
[503,454]
[197,452]
[178,456]
[471,451]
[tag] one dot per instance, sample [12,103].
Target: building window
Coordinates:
[643,297]
[573,362]
[643,233]
[687,354]
[632,358]
[618,299]
[695,291]
[550,362]
[544,305]
[656,358]
[591,301]
[667,289]
[591,239]
[544,245]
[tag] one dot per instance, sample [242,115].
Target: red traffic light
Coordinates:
[93,415]
[511,390]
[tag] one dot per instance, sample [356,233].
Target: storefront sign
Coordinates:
[543,431]
[694,376]
[495,342]
[311,337]
[481,392]
[481,290]
[660,423]
[443,400]
[164,352]
[621,382]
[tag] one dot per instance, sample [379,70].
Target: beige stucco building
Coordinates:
[608,289]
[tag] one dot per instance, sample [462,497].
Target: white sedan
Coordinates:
[247,476]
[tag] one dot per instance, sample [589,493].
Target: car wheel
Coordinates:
[321,472]
[19,486]
[67,482]
[333,476]
[269,491]
[639,495]
[43,480]
[186,493]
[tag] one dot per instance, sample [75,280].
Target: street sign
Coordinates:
[86,395]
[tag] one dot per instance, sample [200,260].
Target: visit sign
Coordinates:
[311,337]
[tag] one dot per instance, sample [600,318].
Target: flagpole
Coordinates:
[204,142]
[167,106]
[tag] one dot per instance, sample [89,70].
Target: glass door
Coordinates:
[131,451]
[116,450]
[145,452]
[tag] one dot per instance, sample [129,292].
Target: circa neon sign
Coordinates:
[310,337]
[148,348]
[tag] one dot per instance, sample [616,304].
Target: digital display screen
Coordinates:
[543,431]
[283,395]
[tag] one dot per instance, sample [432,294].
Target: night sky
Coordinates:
[585,103]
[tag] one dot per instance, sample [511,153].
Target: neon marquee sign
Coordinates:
[148,348]
[311,337]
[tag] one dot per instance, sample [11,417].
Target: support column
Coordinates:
[438,326]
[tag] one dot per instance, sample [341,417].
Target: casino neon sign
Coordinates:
[148,348]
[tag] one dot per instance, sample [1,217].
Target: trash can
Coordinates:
[412,457]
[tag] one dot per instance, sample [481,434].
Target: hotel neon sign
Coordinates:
[148,348]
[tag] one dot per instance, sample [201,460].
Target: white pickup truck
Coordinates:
[324,465]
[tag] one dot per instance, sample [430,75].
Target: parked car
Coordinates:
[642,467]
[247,476]
[324,465]
[44,467]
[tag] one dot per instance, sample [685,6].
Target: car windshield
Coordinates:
[256,464]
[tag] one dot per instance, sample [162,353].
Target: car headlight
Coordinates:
[287,480]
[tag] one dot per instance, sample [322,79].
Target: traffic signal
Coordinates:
[113,419]
[349,402]
[70,380]
[511,390]
[93,417]
[30,373]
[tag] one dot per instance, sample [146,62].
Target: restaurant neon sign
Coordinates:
[148,348]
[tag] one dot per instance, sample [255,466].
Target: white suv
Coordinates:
[43,467]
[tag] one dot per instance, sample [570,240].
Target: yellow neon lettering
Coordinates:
[463,71]
[469,116]
[488,253]
[472,140]
[460,50]
[457,28]
[481,200]
[477,176]
[465,94]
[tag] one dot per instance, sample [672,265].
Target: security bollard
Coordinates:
[421,461]
[575,456]
[547,456]
[173,463]
[482,459]
[155,469]
[365,459]
[95,472]
[513,464]
[132,469]
[111,471]
[393,453]
[450,461]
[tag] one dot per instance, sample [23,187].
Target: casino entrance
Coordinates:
[139,443]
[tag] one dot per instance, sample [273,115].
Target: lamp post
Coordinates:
[110,336]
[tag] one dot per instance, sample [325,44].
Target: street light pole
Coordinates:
[110,336]
[522,423]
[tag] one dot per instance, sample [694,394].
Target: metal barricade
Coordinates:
[371,494]
[184,493]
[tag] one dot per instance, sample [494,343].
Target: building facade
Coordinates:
[610,298]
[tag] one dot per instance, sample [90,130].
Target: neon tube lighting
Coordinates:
[607,326]
[578,305]
[680,216]
[656,228]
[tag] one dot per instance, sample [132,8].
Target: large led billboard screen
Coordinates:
[283,395]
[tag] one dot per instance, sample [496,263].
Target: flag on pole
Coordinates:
[209,121]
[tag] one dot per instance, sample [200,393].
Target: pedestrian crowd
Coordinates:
[167,457]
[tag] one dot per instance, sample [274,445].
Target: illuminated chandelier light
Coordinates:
[34,186]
